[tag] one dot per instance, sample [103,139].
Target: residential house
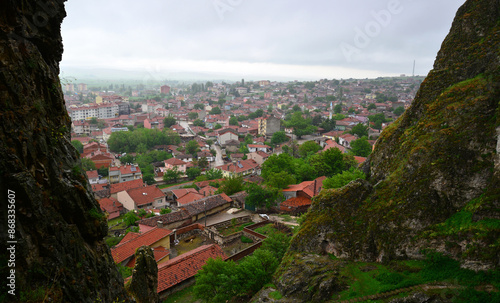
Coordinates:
[259,147]
[112,207]
[179,272]
[157,238]
[173,163]
[123,173]
[178,194]
[148,197]
[332,144]
[206,154]
[232,146]
[93,176]
[240,168]
[258,157]
[298,196]
[346,139]
[188,213]
[123,186]
[100,159]
[226,135]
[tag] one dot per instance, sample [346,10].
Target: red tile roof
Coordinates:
[186,266]
[111,206]
[159,254]
[129,236]
[118,187]
[208,190]
[241,166]
[359,159]
[179,193]
[92,174]
[145,195]
[127,169]
[190,197]
[311,188]
[296,202]
[126,250]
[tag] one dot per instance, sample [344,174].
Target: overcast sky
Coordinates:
[272,39]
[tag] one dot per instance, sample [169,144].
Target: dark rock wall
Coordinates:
[433,178]
[60,252]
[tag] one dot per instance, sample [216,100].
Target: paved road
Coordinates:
[218,157]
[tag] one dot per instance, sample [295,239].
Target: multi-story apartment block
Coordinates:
[99,111]
[268,126]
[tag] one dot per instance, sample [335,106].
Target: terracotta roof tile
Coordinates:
[296,202]
[118,187]
[92,174]
[145,195]
[189,197]
[127,249]
[186,266]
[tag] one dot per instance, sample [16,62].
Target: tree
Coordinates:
[296,108]
[361,147]
[279,137]
[328,163]
[217,126]
[198,122]
[172,175]
[193,172]
[301,126]
[337,109]
[233,121]
[149,179]
[215,282]
[164,211]
[360,130]
[342,179]
[78,145]
[214,174]
[103,171]
[169,121]
[203,162]
[277,163]
[87,164]
[399,110]
[192,115]
[277,243]
[308,148]
[215,111]
[328,124]
[130,218]
[372,106]
[280,180]
[231,185]
[199,106]
[262,196]
[192,147]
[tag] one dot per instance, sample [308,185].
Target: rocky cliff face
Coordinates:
[144,281]
[434,176]
[60,255]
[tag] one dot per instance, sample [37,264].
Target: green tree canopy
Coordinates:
[308,148]
[169,121]
[87,164]
[130,218]
[193,172]
[361,147]
[199,106]
[342,179]
[198,122]
[231,185]
[233,121]
[301,126]
[280,180]
[78,145]
[277,163]
[337,109]
[172,175]
[192,147]
[129,141]
[279,137]
[262,196]
[192,115]
[360,130]
[399,110]
[215,111]
[328,163]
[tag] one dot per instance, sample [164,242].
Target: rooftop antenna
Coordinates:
[413,74]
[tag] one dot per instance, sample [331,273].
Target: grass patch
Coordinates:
[172,184]
[115,221]
[234,229]
[373,278]
[267,230]
[276,295]
[184,296]
[246,239]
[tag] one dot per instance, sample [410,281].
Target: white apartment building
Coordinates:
[99,111]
